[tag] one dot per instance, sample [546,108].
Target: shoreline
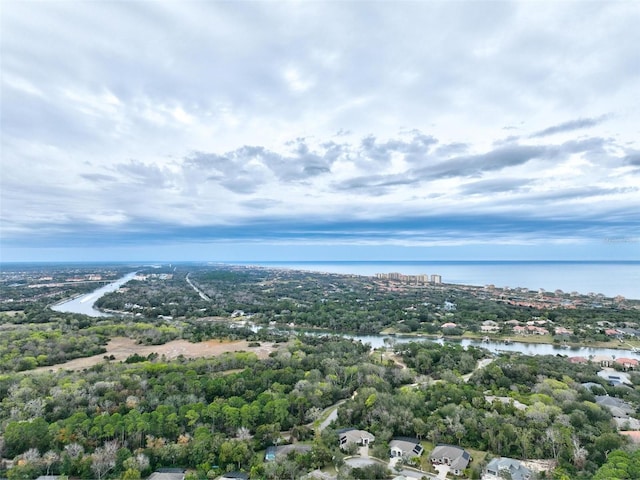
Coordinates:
[527,340]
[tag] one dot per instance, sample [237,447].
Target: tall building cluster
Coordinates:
[415,279]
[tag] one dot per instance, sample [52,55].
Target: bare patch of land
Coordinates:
[121,348]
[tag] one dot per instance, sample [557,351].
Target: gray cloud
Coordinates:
[569,126]
[494,185]
[633,158]
[149,175]
[99,177]
[473,165]
[375,182]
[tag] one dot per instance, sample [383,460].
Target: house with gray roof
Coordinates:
[273,453]
[498,467]
[405,447]
[456,457]
[359,437]
[234,476]
[618,407]
[168,474]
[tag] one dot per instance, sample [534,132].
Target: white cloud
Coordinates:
[201,114]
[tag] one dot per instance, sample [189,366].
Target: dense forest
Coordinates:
[127,418]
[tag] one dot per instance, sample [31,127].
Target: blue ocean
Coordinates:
[608,277]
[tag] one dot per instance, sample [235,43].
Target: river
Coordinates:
[84,304]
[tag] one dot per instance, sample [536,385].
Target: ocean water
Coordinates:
[607,278]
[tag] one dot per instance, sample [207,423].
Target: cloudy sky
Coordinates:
[320,130]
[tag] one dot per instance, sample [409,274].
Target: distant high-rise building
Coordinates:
[436,279]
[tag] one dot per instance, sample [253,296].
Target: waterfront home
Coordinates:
[578,360]
[456,457]
[627,363]
[603,360]
[563,331]
[489,326]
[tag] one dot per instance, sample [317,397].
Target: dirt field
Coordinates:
[121,348]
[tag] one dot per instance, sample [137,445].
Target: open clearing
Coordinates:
[122,347]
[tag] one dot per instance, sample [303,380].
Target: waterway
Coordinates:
[84,304]
[377,341]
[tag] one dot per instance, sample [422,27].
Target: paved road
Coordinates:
[200,292]
[332,415]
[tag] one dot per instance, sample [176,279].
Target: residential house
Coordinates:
[318,475]
[456,457]
[168,474]
[627,363]
[489,326]
[405,447]
[614,378]
[537,330]
[563,331]
[448,325]
[519,330]
[283,450]
[503,467]
[618,407]
[505,401]
[234,476]
[358,437]
[627,423]
[603,360]
[449,306]
[578,360]
[632,435]
[591,385]
[629,332]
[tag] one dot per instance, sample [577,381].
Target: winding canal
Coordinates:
[84,304]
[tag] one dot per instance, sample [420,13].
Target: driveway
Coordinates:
[442,470]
